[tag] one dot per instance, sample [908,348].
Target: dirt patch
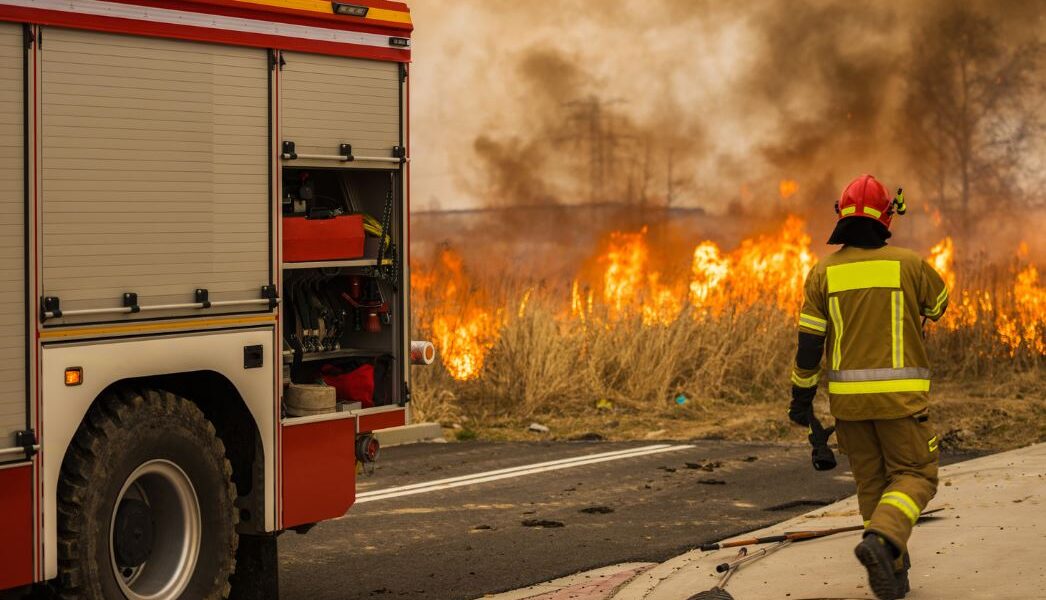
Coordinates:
[968,417]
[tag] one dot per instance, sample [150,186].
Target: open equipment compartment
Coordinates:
[344,318]
[341,324]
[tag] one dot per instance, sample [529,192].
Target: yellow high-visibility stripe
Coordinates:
[812,322]
[897,320]
[812,319]
[805,382]
[932,444]
[936,310]
[878,387]
[864,275]
[849,210]
[837,331]
[872,212]
[902,502]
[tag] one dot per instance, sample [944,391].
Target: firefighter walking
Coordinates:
[863,311]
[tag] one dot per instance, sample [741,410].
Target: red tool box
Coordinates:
[308,240]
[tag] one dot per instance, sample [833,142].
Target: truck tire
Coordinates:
[145,503]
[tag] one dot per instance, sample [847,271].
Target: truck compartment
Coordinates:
[342,301]
[319,470]
[155,176]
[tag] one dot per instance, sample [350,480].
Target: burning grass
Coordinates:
[632,347]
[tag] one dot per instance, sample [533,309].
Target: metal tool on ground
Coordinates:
[718,592]
[760,553]
[794,536]
[785,537]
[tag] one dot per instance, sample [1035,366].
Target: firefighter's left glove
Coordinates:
[801,410]
[822,455]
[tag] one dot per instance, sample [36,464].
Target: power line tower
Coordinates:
[595,127]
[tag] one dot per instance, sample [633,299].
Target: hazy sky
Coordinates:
[732,97]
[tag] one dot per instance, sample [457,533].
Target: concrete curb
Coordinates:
[410,434]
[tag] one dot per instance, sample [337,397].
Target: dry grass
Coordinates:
[619,379]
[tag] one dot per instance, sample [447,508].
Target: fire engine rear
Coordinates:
[203,283]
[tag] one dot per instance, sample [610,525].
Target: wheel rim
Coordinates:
[154,532]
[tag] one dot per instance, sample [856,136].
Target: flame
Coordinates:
[1026,323]
[1017,313]
[462,325]
[630,285]
[627,284]
[775,263]
[787,188]
[625,260]
[942,258]
[718,282]
[708,274]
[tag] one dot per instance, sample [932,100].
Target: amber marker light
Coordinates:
[74,376]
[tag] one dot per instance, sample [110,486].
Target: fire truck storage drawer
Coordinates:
[338,238]
[319,470]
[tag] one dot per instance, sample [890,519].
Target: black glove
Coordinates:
[822,455]
[801,410]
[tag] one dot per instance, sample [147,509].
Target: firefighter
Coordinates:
[866,304]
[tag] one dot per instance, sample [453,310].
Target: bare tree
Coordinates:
[974,107]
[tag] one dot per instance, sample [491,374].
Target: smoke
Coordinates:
[682,103]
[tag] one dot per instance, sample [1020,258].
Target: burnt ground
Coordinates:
[470,541]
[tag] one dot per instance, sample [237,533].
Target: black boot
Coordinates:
[901,578]
[874,553]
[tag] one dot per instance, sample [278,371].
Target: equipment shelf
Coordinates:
[288,355]
[331,264]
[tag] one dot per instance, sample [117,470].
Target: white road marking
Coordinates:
[488,476]
[560,461]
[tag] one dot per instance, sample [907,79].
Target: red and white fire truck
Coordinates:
[203,281]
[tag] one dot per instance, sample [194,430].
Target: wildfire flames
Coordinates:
[461,323]
[1014,311]
[626,284]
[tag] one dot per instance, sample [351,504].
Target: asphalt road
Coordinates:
[468,541]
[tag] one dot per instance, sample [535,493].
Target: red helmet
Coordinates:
[866,197]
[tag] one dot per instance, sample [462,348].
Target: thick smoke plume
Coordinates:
[654,104]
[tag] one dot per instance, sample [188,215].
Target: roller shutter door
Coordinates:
[155,170]
[12,239]
[329,100]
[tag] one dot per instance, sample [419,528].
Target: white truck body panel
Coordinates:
[106,362]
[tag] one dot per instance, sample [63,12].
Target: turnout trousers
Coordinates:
[894,463]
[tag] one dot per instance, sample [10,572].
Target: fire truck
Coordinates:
[204,307]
